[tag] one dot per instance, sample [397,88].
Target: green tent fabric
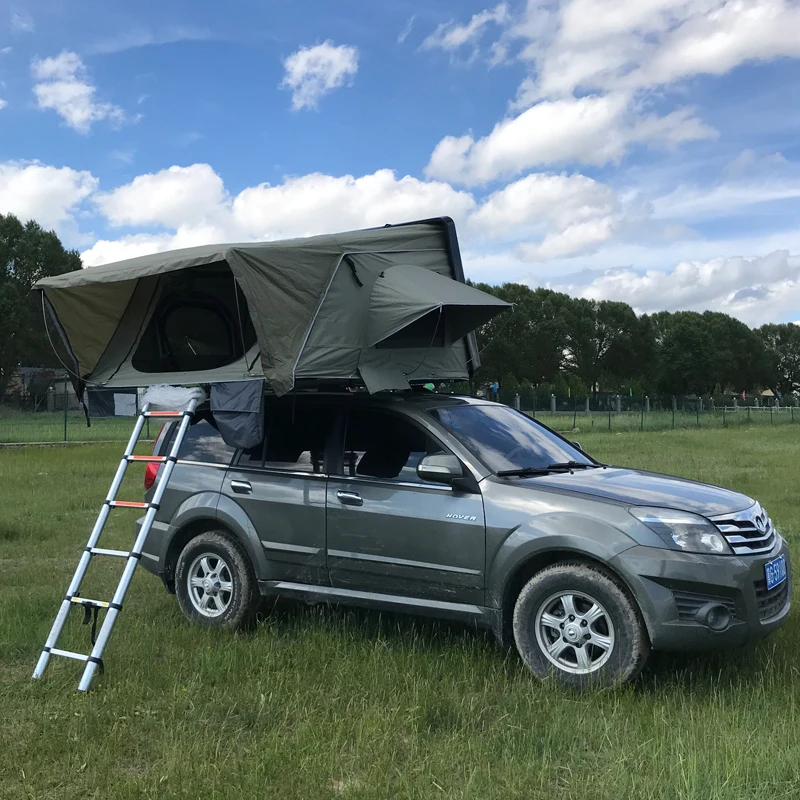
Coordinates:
[405,294]
[292,312]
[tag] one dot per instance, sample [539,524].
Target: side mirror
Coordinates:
[578,445]
[440,469]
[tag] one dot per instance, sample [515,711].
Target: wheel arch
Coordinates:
[535,563]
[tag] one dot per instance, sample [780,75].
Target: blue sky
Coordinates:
[642,150]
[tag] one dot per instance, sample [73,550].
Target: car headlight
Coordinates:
[681,530]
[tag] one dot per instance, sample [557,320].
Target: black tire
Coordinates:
[620,626]
[228,566]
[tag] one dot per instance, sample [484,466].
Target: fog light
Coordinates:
[714,615]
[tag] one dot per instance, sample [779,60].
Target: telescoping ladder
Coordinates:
[95,659]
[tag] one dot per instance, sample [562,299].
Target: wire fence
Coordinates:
[56,415]
[657,413]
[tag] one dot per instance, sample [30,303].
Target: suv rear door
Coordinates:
[280,485]
[389,531]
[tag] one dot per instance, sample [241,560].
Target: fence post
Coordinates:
[574,412]
[697,410]
[516,401]
[674,403]
[724,420]
[791,409]
[748,415]
[552,404]
[534,403]
[609,413]
[641,426]
[771,419]
[646,404]
[66,403]
[587,407]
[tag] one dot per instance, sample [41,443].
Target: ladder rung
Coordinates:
[101,551]
[68,654]
[84,601]
[149,459]
[166,413]
[127,504]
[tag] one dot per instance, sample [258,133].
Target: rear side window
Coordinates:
[202,442]
[295,439]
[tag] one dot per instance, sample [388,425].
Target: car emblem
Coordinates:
[761,524]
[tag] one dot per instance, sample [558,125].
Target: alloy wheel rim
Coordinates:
[210,585]
[574,632]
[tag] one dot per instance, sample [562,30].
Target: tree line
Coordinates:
[582,347]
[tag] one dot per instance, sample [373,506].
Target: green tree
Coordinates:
[525,343]
[782,342]
[600,341]
[27,253]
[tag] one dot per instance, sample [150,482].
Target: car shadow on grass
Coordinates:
[690,671]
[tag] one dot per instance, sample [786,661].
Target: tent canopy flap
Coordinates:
[389,302]
[420,302]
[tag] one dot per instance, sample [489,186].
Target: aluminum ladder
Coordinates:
[94,660]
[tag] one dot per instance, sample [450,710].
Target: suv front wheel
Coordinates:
[214,582]
[575,623]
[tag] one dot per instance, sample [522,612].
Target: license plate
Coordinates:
[775,572]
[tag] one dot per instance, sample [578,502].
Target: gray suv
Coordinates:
[461,508]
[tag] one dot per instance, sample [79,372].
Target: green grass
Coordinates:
[328,703]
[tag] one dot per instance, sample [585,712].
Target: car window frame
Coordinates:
[272,470]
[337,468]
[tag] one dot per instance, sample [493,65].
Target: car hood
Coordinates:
[646,489]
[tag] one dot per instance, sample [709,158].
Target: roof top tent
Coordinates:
[385,306]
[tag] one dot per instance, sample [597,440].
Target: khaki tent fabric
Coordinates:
[309,301]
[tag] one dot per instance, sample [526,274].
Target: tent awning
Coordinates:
[410,305]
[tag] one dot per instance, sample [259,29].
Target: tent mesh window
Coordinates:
[200,322]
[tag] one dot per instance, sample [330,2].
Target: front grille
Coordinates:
[748,532]
[690,602]
[770,602]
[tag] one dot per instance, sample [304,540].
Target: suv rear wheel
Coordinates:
[575,623]
[214,581]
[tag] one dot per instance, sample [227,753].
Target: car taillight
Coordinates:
[151,470]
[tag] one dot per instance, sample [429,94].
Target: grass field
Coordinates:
[329,703]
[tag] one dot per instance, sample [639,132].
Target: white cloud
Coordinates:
[142,37]
[47,194]
[172,197]
[554,215]
[193,202]
[22,23]
[593,130]
[451,37]
[403,35]
[756,290]
[613,45]
[63,86]
[3,103]
[313,72]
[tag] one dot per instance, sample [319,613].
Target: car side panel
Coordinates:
[192,493]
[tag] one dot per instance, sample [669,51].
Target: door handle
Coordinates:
[350,498]
[241,487]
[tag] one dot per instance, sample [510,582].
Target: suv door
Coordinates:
[389,531]
[281,487]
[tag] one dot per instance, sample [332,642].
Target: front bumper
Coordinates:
[666,584]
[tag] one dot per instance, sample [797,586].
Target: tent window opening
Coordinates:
[196,326]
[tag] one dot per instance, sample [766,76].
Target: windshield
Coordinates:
[504,439]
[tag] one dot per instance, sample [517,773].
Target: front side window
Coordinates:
[504,439]
[385,446]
